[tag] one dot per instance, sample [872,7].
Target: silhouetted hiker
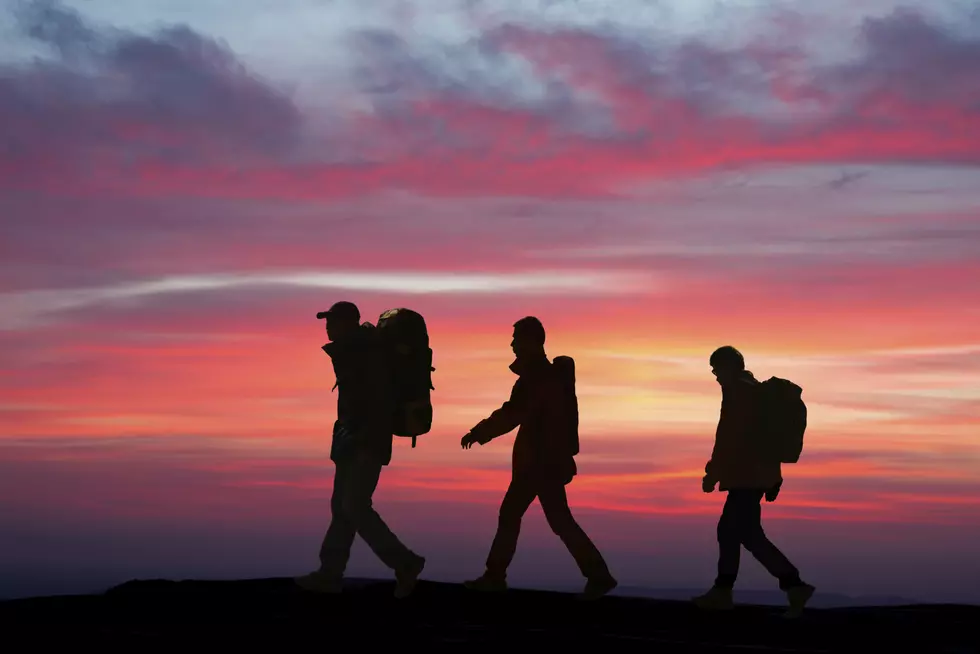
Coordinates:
[542,402]
[361,447]
[745,465]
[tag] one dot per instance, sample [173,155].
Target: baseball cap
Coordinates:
[341,310]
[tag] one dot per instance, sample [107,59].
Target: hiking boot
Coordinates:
[716,599]
[320,582]
[487,583]
[406,579]
[598,587]
[798,596]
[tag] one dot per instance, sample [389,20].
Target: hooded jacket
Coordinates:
[737,460]
[537,404]
[364,405]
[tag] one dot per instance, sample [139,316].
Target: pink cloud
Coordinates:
[673,111]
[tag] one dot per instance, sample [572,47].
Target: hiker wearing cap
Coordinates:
[543,404]
[361,447]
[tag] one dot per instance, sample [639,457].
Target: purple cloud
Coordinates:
[114,98]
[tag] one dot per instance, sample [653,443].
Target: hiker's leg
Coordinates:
[554,503]
[516,501]
[359,507]
[754,538]
[729,543]
[337,542]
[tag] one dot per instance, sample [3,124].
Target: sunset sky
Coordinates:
[184,184]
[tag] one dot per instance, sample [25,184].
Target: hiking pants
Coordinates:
[354,483]
[554,503]
[741,524]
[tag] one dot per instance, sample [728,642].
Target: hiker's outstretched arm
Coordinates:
[503,420]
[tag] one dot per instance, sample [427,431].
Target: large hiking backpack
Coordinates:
[565,366]
[405,340]
[782,419]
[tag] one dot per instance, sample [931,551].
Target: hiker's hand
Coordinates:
[708,484]
[468,441]
[773,492]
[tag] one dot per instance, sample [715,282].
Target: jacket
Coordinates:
[364,403]
[737,459]
[542,448]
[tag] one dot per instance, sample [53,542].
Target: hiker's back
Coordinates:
[740,459]
[548,441]
[363,396]
[357,371]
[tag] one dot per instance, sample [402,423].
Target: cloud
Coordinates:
[112,99]
[907,61]
[693,105]
[171,216]
[256,475]
[899,215]
[685,234]
[523,109]
[20,309]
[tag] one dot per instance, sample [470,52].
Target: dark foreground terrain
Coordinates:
[273,612]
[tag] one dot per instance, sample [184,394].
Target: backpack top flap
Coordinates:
[784,387]
[407,339]
[404,326]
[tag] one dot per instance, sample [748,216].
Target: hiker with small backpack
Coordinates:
[544,406]
[383,382]
[761,427]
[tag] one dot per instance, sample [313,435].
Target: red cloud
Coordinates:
[656,110]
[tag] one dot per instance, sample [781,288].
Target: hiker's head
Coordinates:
[727,364]
[343,318]
[528,337]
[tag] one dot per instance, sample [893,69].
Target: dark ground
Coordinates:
[274,612]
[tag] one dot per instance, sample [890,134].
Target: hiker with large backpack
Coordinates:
[378,395]
[761,427]
[543,405]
